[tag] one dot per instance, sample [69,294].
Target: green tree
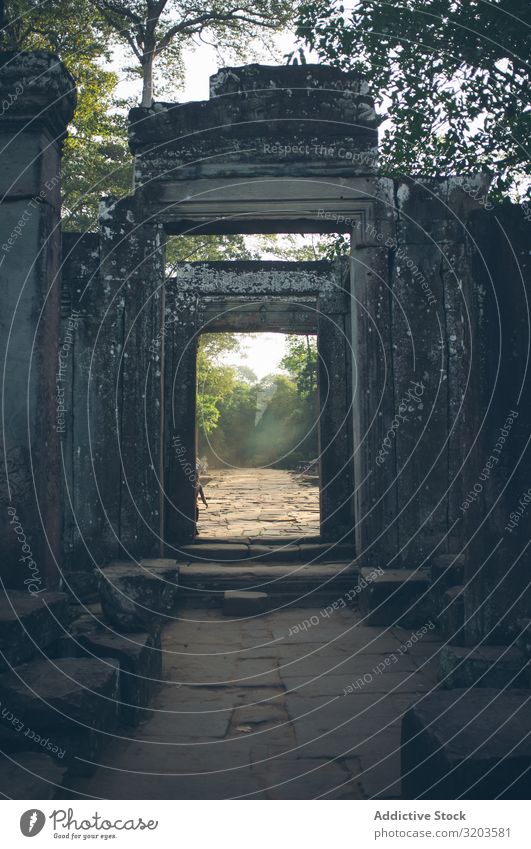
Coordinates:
[300,362]
[96,159]
[206,249]
[158,30]
[232,440]
[214,379]
[286,432]
[452,76]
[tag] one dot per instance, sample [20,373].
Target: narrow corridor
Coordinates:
[288,705]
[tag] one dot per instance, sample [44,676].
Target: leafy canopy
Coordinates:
[96,158]
[158,30]
[453,76]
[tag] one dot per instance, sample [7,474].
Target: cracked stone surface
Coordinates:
[247,710]
[259,503]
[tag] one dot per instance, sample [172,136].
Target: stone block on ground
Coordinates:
[29,623]
[451,616]
[139,596]
[244,603]
[210,552]
[59,708]
[81,585]
[30,775]
[467,744]
[274,553]
[523,640]
[482,666]
[140,659]
[446,571]
[326,552]
[394,596]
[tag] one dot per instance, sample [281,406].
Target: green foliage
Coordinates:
[205,249]
[301,364]
[96,159]
[215,380]
[453,75]
[232,441]
[286,432]
[246,422]
[159,30]
[302,248]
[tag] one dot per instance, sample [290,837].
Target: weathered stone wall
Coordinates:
[80,320]
[272,150]
[441,416]
[113,293]
[414,310]
[38,98]
[126,384]
[496,506]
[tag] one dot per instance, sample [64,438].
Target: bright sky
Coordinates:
[262,353]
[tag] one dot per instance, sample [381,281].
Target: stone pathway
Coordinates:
[256,708]
[258,503]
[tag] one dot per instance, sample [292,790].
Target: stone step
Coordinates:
[287,582]
[139,596]
[30,775]
[394,596]
[446,571]
[451,616]
[81,585]
[29,623]
[244,603]
[265,552]
[60,708]
[140,658]
[468,744]
[482,666]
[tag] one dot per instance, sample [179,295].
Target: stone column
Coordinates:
[125,391]
[180,343]
[496,506]
[335,409]
[375,503]
[37,100]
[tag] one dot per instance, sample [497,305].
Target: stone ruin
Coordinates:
[423,336]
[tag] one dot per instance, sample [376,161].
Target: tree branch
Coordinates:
[196,24]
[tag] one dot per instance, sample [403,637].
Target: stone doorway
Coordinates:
[308,297]
[257,432]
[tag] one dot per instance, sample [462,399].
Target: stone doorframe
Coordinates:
[311,297]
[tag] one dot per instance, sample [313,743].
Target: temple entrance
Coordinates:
[311,300]
[258,435]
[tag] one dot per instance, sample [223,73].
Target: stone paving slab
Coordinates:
[267,730]
[294,778]
[258,503]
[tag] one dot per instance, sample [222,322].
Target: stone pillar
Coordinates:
[375,502]
[335,409]
[497,491]
[180,366]
[37,97]
[416,371]
[84,521]
[125,392]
